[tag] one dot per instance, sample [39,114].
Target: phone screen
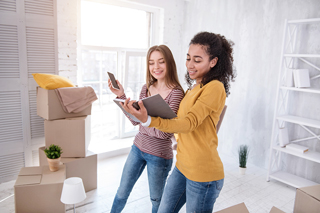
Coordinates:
[136,105]
[113,81]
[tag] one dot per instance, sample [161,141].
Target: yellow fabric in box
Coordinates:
[49,81]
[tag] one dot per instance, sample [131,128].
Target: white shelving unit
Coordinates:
[301,90]
[291,180]
[300,120]
[310,155]
[281,116]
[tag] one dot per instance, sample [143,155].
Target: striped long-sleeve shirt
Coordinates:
[154,141]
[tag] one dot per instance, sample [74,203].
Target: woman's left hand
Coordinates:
[140,114]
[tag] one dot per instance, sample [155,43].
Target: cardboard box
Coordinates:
[37,189]
[85,168]
[276,210]
[307,200]
[49,106]
[239,208]
[71,134]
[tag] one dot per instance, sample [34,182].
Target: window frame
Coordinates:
[122,53]
[123,133]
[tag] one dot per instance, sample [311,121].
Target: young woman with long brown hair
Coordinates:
[152,147]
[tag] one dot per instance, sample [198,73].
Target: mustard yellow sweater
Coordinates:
[198,115]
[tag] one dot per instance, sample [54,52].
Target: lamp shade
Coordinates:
[73,191]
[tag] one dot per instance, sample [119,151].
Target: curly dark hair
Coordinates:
[218,46]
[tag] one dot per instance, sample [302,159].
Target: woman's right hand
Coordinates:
[117,92]
[140,114]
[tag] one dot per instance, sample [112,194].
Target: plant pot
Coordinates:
[242,171]
[54,164]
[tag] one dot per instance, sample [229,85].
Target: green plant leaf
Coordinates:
[243,155]
[53,152]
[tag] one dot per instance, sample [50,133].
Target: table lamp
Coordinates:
[73,191]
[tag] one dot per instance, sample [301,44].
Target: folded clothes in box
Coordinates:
[50,108]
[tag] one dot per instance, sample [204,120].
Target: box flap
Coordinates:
[28,180]
[239,208]
[49,177]
[313,191]
[276,210]
[30,171]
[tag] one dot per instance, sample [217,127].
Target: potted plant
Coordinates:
[243,157]
[53,154]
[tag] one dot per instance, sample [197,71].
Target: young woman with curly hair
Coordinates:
[198,176]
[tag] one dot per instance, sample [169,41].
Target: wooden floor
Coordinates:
[251,188]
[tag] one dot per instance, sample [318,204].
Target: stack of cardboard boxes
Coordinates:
[39,190]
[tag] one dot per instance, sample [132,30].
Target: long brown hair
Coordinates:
[171,77]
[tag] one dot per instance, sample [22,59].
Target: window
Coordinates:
[114,26]
[114,38]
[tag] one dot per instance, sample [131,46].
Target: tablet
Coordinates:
[155,105]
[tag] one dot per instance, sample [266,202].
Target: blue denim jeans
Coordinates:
[157,168]
[198,196]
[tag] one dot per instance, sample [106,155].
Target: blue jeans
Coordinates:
[198,196]
[157,168]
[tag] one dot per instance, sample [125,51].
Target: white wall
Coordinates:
[67,38]
[256,27]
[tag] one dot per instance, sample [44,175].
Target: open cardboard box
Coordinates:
[71,134]
[241,208]
[37,189]
[307,200]
[276,210]
[85,168]
[49,106]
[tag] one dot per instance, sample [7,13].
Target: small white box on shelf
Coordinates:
[301,78]
[283,136]
[288,78]
[297,148]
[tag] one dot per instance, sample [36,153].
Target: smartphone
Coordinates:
[136,105]
[113,80]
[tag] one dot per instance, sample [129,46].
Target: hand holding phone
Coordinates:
[136,105]
[113,81]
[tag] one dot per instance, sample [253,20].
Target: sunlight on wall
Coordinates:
[113,26]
